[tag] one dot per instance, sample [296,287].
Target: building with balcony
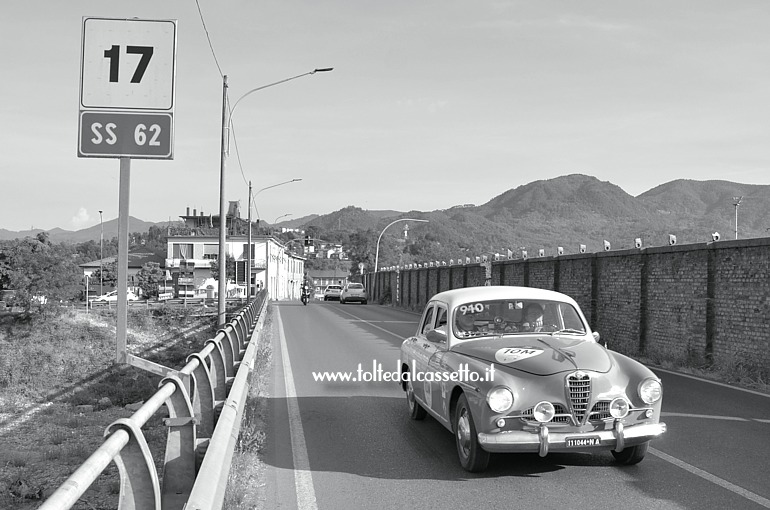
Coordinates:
[191,249]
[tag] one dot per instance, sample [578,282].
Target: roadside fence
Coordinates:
[205,401]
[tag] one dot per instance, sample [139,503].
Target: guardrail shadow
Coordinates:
[157,351]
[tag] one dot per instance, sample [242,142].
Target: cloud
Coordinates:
[81,218]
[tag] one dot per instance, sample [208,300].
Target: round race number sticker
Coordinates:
[514,354]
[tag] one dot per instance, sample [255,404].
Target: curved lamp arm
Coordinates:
[377,254]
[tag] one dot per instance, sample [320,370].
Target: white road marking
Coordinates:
[705,416]
[756,498]
[303,478]
[383,322]
[375,326]
[701,379]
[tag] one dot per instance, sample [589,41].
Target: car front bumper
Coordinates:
[544,440]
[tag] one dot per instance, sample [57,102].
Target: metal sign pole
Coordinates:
[123,197]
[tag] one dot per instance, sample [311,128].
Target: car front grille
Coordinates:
[579,394]
[600,411]
[561,415]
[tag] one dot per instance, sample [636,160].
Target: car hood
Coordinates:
[539,354]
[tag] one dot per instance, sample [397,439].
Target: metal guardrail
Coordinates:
[203,424]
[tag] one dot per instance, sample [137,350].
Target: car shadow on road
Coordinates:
[374,437]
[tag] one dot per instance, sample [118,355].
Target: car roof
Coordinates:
[459,296]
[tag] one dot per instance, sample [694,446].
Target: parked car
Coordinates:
[517,369]
[353,292]
[112,297]
[332,292]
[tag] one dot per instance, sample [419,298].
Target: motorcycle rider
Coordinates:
[306,288]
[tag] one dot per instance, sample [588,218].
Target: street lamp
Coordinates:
[281,216]
[101,252]
[736,203]
[377,254]
[248,256]
[226,121]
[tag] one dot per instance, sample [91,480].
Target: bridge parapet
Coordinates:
[194,430]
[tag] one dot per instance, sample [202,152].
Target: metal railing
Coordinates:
[203,423]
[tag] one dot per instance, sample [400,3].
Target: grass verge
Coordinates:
[246,484]
[60,389]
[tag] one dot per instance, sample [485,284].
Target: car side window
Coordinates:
[427,322]
[441,317]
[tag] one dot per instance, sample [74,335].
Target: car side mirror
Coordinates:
[596,336]
[436,335]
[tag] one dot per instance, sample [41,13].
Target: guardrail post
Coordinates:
[139,485]
[203,396]
[217,370]
[179,464]
[231,350]
[244,327]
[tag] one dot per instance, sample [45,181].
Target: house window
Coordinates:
[210,251]
[182,250]
[246,250]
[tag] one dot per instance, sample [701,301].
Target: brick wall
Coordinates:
[689,302]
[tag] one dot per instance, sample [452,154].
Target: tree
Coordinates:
[150,277]
[108,274]
[229,268]
[362,249]
[36,269]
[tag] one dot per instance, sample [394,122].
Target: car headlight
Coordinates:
[650,391]
[500,399]
[619,408]
[543,412]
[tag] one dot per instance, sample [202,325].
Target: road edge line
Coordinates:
[303,478]
[756,498]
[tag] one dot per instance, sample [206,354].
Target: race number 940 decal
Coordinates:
[472,308]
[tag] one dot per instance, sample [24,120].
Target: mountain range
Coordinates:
[564,211]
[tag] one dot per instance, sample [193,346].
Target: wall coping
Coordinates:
[754,242]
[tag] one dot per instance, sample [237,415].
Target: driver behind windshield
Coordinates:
[533,318]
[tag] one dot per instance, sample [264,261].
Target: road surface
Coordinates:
[351,444]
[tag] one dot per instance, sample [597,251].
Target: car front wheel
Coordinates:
[416,411]
[472,457]
[631,455]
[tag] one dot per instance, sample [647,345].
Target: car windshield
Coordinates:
[355,286]
[512,317]
[333,287]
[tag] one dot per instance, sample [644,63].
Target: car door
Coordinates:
[437,385]
[422,350]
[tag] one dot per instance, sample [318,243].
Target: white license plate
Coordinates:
[578,442]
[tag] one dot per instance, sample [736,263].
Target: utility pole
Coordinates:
[101,253]
[248,253]
[222,297]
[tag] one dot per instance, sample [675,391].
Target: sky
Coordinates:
[431,103]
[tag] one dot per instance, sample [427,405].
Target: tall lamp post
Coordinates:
[377,255]
[101,252]
[248,251]
[736,203]
[226,120]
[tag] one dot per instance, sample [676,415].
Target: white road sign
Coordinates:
[128,64]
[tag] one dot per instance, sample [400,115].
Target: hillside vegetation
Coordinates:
[566,211]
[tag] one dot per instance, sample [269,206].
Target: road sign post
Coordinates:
[126,101]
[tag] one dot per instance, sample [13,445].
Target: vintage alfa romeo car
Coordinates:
[517,369]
